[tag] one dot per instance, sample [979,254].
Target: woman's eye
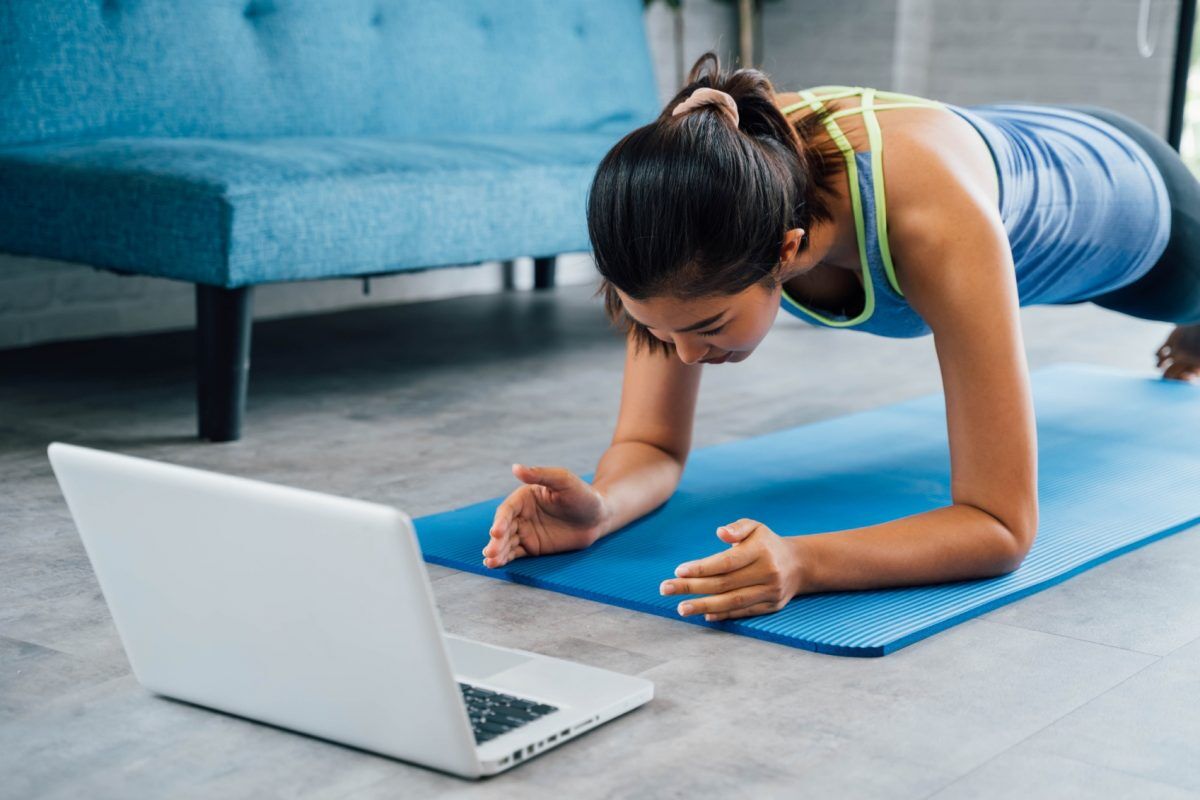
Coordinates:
[713,332]
[649,334]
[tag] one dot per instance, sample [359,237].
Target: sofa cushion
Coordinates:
[240,211]
[224,68]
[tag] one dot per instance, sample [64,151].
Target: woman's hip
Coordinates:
[1170,290]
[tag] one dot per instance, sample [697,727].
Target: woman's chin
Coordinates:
[729,357]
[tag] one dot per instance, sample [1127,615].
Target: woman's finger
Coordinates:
[510,545]
[504,522]
[748,611]
[512,507]
[555,478]
[494,553]
[730,601]
[496,548]
[496,545]
[514,551]
[727,560]
[746,576]
[735,532]
[499,540]
[500,522]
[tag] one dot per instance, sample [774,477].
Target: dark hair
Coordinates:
[689,206]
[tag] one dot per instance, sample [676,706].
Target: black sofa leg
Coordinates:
[543,272]
[223,318]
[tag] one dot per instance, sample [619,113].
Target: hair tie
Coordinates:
[704,97]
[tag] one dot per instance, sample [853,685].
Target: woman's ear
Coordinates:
[793,241]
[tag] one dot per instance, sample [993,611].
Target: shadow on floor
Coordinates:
[60,389]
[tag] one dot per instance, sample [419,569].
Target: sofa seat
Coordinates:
[233,212]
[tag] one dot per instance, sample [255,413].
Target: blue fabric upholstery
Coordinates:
[234,143]
[235,212]
[73,69]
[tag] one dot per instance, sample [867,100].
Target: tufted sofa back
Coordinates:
[77,69]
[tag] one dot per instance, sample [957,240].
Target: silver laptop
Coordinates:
[312,612]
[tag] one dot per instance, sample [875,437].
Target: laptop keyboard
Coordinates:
[494,713]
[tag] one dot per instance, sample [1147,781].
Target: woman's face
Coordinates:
[711,329]
[715,329]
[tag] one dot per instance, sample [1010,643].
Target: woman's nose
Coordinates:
[690,351]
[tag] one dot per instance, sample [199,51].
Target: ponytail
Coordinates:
[691,206]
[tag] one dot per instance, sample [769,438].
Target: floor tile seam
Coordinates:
[1158,660]
[1052,722]
[1081,762]
[83,656]
[1076,638]
[22,640]
[58,702]
[1175,650]
[1155,780]
[1148,779]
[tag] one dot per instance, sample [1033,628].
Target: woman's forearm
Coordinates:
[635,478]
[956,542]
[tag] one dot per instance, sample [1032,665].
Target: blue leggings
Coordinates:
[1170,291]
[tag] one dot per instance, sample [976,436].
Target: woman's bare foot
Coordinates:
[1180,354]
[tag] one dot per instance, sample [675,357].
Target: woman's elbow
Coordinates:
[1020,531]
[1021,536]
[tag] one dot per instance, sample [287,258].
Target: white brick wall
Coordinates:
[979,51]
[1069,51]
[707,25]
[851,42]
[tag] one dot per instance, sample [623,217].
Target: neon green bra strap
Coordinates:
[867,108]
[812,101]
[875,137]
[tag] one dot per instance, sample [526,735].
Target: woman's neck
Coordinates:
[834,281]
[840,233]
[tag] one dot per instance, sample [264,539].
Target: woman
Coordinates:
[738,200]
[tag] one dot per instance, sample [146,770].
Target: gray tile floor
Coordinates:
[1089,688]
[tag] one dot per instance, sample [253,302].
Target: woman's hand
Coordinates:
[553,512]
[759,573]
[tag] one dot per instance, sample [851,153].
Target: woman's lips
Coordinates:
[720,360]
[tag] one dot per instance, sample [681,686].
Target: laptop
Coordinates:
[313,612]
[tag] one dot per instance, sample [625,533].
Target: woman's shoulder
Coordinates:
[926,155]
[916,136]
[785,99]
[909,121]
[941,188]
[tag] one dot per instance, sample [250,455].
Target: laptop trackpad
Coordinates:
[480,661]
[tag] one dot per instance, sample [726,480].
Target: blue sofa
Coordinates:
[230,143]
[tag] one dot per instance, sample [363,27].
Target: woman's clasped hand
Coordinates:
[758,573]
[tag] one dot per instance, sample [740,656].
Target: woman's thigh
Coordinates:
[1170,290]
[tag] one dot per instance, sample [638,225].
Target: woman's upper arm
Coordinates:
[955,266]
[658,401]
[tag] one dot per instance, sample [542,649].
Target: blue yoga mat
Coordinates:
[1119,466]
